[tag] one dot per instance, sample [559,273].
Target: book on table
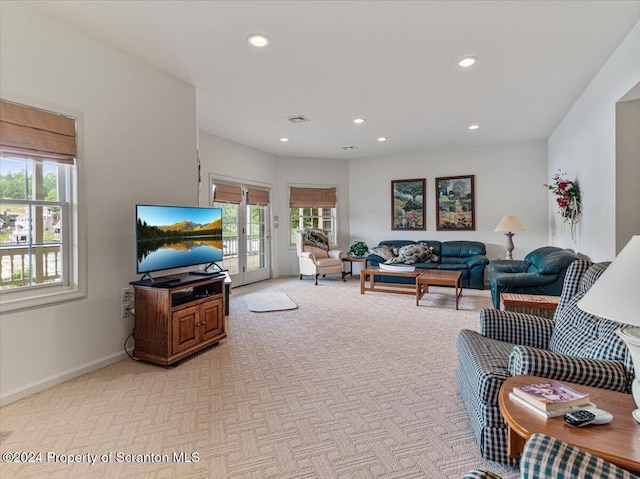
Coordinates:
[551,395]
[548,414]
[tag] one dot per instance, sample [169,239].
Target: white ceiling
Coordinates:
[392,62]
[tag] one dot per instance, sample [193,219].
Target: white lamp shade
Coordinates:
[509,223]
[615,294]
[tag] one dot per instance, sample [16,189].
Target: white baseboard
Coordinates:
[53,380]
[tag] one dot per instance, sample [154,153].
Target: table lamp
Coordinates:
[507,225]
[615,296]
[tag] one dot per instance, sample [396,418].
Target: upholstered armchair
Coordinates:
[316,256]
[574,346]
[541,272]
[545,457]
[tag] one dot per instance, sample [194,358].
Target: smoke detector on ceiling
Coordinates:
[298,119]
[349,147]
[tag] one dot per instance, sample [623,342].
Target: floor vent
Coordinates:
[298,119]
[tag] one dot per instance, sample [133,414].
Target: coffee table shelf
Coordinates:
[368,274]
[423,278]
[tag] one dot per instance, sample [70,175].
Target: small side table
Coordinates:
[617,442]
[355,259]
[537,305]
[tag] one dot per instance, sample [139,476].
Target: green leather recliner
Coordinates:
[541,272]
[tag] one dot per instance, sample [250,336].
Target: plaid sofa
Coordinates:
[545,457]
[574,346]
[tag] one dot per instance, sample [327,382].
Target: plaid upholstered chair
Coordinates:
[545,457]
[574,346]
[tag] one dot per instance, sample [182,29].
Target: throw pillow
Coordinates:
[394,260]
[317,238]
[382,251]
[416,253]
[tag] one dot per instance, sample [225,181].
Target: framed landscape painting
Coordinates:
[455,207]
[407,204]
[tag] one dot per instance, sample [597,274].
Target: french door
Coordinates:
[246,239]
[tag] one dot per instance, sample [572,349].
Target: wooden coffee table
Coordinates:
[617,442]
[399,288]
[436,277]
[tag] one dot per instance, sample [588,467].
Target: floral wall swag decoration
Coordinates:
[568,198]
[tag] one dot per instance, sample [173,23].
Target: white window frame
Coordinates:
[301,216]
[74,284]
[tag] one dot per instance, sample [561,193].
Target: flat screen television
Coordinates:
[169,237]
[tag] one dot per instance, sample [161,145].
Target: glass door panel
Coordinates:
[230,250]
[245,239]
[257,240]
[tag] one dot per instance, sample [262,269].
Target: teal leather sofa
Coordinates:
[467,257]
[541,272]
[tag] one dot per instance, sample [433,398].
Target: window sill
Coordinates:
[21,300]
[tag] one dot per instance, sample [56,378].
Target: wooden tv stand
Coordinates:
[176,320]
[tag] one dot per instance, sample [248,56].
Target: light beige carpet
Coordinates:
[265,302]
[346,386]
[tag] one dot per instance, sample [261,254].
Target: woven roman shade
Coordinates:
[225,193]
[29,132]
[257,196]
[312,197]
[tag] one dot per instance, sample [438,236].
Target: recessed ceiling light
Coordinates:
[382,138]
[473,127]
[284,140]
[258,40]
[467,61]
[359,121]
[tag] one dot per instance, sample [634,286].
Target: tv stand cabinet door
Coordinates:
[185,326]
[212,320]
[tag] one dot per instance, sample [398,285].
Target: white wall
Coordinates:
[508,180]
[138,137]
[583,146]
[364,189]
[227,160]
[627,171]
[311,172]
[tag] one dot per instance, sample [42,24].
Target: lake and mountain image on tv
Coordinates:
[175,236]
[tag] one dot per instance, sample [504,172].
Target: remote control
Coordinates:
[584,417]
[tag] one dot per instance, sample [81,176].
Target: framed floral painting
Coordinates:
[407,204]
[455,205]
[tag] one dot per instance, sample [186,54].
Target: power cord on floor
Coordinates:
[125,345]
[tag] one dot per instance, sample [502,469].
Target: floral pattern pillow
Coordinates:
[383,251]
[316,238]
[416,253]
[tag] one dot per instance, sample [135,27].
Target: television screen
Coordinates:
[170,237]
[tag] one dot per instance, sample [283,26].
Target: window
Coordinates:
[38,207]
[313,208]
